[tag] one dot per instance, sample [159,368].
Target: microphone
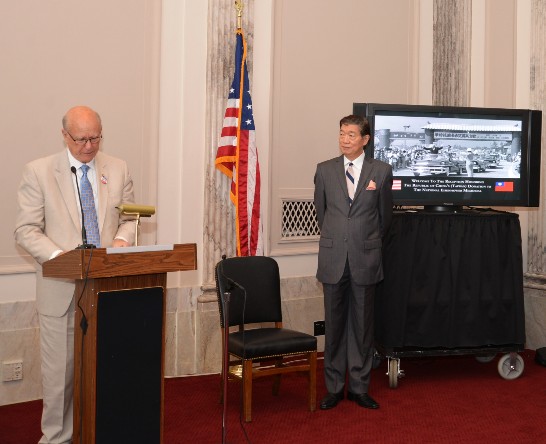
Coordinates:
[84,244]
[230,282]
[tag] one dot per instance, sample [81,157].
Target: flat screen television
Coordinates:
[446,158]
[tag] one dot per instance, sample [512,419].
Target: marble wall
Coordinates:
[535,315]
[20,341]
[193,330]
[192,333]
[535,278]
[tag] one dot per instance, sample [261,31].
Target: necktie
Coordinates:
[88,207]
[350,182]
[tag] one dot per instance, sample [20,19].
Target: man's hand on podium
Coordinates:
[120,243]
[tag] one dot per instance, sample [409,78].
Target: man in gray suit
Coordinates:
[353,200]
[48,224]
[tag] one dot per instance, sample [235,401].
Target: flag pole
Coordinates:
[239,8]
[225,349]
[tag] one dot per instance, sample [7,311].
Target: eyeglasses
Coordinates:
[352,136]
[82,142]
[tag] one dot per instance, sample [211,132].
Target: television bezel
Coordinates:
[530,150]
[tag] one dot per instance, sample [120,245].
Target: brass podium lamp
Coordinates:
[138,211]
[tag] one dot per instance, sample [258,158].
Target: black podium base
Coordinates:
[129,382]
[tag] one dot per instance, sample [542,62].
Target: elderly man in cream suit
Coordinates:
[48,224]
[353,199]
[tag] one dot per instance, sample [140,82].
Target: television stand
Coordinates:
[444,208]
[453,285]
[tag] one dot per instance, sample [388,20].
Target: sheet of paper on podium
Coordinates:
[139,249]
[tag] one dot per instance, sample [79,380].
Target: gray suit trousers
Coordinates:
[349,336]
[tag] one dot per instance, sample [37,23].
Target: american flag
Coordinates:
[237,157]
[396,184]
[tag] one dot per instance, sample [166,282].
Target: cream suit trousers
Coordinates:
[57,345]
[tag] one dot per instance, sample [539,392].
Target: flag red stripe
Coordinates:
[229,131]
[232,112]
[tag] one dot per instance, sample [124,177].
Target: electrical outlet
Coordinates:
[12,370]
[319,328]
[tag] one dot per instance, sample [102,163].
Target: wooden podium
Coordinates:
[119,359]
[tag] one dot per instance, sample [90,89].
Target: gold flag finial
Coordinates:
[239,8]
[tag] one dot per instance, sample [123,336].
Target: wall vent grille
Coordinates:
[299,220]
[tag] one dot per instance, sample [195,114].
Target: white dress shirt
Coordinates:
[357,167]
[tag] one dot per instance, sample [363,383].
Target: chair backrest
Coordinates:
[261,299]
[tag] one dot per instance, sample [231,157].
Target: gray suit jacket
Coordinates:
[48,217]
[352,231]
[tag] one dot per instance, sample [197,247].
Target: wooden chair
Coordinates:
[264,348]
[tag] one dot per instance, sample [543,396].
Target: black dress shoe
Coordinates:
[331,400]
[363,400]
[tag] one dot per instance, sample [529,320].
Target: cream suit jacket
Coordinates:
[48,217]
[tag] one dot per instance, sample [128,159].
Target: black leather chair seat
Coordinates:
[270,342]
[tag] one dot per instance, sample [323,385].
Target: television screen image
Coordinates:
[450,157]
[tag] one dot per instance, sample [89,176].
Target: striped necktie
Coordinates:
[89,210]
[350,182]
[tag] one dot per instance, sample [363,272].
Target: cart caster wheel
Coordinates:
[394,369]
[485,359]
[509,369]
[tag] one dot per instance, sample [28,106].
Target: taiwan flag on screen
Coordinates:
[504,186]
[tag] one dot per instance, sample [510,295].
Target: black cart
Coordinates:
[453,285]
